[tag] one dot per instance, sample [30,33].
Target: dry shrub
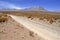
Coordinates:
[29,16]
[32,18]
[49,18]
[31,33]
[41,18]
[3,18]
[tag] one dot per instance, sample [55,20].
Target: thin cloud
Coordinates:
[8,5]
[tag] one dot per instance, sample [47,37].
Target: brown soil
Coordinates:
[11,30]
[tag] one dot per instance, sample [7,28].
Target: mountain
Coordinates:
[8,9]
[57,11]
[35,8]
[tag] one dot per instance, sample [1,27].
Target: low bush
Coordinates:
[3,18]
[31,33]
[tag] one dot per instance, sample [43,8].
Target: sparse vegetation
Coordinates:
[2,32]
[50,16]
[31,33]
[41,18]
[29,16]
[3,18]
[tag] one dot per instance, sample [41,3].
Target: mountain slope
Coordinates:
[35,8]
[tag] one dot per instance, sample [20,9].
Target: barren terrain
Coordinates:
[21,25]
[12,30]
[45,30]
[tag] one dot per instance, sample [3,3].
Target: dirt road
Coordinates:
[47,32]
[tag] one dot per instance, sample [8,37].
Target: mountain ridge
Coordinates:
[35,8]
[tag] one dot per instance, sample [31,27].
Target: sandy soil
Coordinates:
[11,30]
[46,31]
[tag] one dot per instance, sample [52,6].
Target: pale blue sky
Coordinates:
[19,4]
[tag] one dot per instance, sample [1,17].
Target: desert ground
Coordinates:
[29,25]
[12,30]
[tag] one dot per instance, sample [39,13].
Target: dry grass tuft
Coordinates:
[3,18]
[31,33]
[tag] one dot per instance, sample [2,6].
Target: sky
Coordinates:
[50,5]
